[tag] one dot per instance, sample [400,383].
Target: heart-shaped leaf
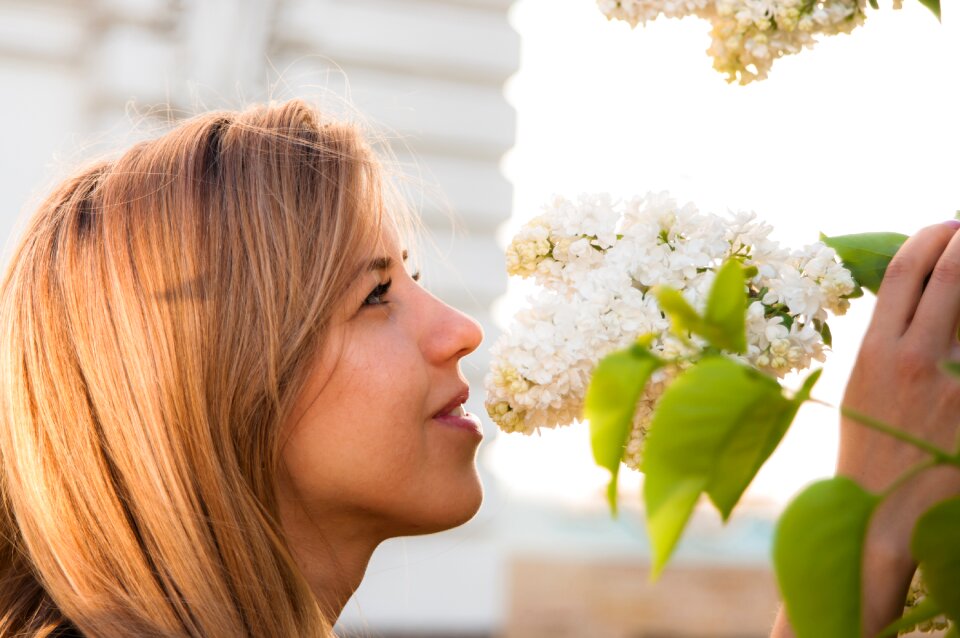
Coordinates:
[817,550]
[933,5]
[611,400]
[712,430]
[726,310]
[866,255]
[723,323]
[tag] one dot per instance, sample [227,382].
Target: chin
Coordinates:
[471,505]
[460,506]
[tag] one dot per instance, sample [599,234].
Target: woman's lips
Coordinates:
[461,419]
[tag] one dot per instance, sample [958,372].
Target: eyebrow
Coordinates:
[383,263]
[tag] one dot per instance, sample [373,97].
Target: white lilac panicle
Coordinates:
[567,238]
[748,35]
[596,261]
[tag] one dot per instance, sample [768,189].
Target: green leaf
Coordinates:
[817,550]
[752,439]
[803,394]
[725,316]
[935,547]
[723,323]
[933,5]
[683,316]
[667,518]
[712,430]
[926,609]
[615,387]
[866,255]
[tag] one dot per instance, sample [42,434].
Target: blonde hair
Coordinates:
[158,318]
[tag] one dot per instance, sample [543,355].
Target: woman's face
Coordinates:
[377,440]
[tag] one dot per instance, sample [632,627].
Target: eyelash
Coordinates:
[378,293]
[381,290]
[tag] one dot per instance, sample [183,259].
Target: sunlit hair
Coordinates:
[158,319]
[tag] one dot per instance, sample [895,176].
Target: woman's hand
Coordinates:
[897,379]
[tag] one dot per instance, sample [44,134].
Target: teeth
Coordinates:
[457,411]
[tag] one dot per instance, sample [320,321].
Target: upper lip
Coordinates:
[459,399]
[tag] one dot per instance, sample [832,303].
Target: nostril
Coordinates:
[473,333]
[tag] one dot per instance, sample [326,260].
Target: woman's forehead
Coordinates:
[385,244]
[387,241]
[386,261]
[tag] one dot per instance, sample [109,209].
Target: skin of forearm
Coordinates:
[781,627]
[887,573]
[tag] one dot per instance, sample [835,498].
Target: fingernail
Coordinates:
[952,223]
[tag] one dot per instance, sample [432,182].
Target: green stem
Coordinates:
[823,403]
[875,424]
[909,474]
[939,455]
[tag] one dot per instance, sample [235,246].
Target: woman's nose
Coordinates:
[452,334]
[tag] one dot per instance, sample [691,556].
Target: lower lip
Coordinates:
[465,422]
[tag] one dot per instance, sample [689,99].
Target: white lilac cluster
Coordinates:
[748,35]
[596,261]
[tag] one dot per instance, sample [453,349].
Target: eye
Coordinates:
[376,296]
[415,276]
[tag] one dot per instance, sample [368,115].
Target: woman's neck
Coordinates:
[332,557]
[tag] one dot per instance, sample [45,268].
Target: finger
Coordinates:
[902,284]
[934,323]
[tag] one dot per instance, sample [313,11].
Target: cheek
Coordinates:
[364,432]
[366,452]
[380,405]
